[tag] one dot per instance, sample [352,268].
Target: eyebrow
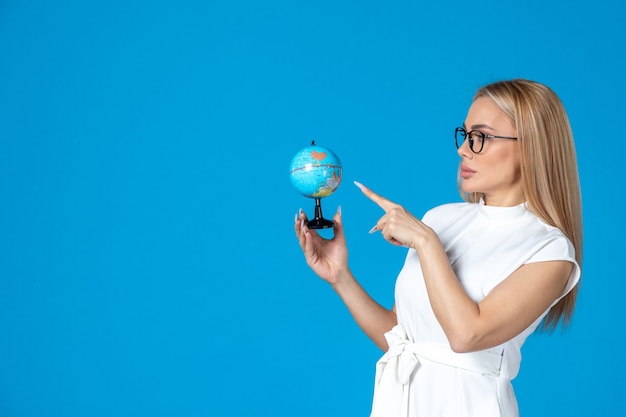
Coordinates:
[481,126]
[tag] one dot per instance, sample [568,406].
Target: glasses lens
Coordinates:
[459,136]
[476,140]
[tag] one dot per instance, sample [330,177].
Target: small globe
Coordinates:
[315,171]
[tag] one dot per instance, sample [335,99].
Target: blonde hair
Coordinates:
[548,167]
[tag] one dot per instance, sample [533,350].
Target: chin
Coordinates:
[467,188]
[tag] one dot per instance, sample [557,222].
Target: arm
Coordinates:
[504,313]
[469,326]
[372,318]
[328,258]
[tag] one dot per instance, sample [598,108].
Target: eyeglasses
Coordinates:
[476,138]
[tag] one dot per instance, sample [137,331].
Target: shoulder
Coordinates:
[551,236]
[553,245]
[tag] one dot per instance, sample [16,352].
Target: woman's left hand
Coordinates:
[397,225]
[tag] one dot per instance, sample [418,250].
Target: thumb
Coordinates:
[338,227]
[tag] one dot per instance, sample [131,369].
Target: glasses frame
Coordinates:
[468,135]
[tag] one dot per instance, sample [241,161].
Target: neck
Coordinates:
[504,200]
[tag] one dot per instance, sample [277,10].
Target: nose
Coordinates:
[464,150]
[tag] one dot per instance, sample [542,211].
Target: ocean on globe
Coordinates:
[315,171]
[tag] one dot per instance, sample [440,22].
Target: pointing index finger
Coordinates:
[378,199]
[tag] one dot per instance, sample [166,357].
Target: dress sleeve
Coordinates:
[559,248]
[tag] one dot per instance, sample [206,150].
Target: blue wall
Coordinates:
[147,260]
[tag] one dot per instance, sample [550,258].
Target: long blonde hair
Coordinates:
[548,167]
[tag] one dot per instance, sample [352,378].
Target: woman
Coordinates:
[479,276]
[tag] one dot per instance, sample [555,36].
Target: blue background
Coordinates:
[147,259]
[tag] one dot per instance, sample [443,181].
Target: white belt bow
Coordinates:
[396,367]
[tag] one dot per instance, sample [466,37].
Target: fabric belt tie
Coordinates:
[396,367]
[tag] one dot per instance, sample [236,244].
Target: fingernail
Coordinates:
[361,186]
[295,218]
[339,210]
[373,230]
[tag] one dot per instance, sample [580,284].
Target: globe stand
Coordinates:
[319,222]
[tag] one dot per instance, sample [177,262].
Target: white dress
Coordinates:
[420,375]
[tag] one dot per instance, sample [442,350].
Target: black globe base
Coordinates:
[319,222]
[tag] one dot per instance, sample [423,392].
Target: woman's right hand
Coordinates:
[328,258]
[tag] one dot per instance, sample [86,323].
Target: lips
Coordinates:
[466,172]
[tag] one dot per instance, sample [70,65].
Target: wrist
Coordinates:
[342,278]
[425,243]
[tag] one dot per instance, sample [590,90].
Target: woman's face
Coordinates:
[495,171]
